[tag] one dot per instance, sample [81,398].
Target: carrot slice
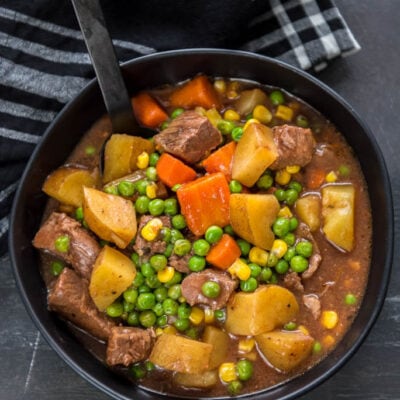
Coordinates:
[205,202]
[172,171]
[147,111]
[221,160]
[197,92]
[223,254]
[315,178]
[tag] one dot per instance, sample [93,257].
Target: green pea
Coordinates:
[156,207]
[184,310]
[115,309]
[255,270]
[244,246]
[290,253]
[177,278]
[281,226]
[139,279]
[175,113]
[229,230]
[280,194]
[181,324]
[220,315]
[176,187]
[158,309]
[244,369]
[169,250]
[304,248]
[290,326]
[235,186]
[317,347]
[298,264]
[192,332]
[145,301]
[250,285]
[302,121]
[170,306]
[126,188]
[272,260]
[294,223]
[158,261]
[141,186]
[149,366]
[196,263]
[282,266]
[226,127]
[274,278]
[62,244]
[138,371]
[147,318]
[201,247]
[290,238]
[265,181]
[211,289]
[237,133]
[133,318]
[182,247]
[276,97]
[171,206]
[161,293]
[153,159]
[135,258]
[142,204]
[152,282]
[297,186]
[350,299]
[235,387]
[266,274]
[213,234]
[178,221]
[344,170]
[162,321]
[144,288]
[151,173]
[128,307]
[79,213]
[130,295]
[291,196]
[90,150]
[176,235]
[56,267]
[147,270]
[174,292]
[111,190]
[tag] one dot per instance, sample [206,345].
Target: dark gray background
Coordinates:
[370,81]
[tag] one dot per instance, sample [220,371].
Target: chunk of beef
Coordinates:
[295,146]
[83,248]
[311,301]
[146,248]
[180,263]
[190,137]
[292,280]
[191,288]
[128,345]
[70,298]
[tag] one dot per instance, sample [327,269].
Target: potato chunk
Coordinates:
[220,340]
[252,215]
[120,155]
[249,99]
[178,353]
[269,307]
[255,151]
[203,380]
[66,184]
[111,217]
[285,350]
[112,274]
[338,215]
[308,208]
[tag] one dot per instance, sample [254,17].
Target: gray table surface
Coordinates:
[370,81]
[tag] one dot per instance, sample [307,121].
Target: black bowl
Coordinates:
[172,67]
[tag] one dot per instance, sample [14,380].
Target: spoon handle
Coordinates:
[105,64]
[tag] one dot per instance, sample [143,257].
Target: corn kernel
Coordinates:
[227,372]
[159,331]
[166,274]
[262,113]
[143,160]
[249,122]
[240,269]
[171,330]
[284,112]
[151,190]
[220,86]
[279,248]
[303,330]
[209,316]
[331,177]
[285,212]
[232,94]
[258,256]
[151,230]
[231,115]
[355,265]
[213,116]
[328,340]
[282,177]
[196,316]
[293,169]
[246,345]
[329,319]
[252,356]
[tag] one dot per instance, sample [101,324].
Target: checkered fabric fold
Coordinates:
[44,62]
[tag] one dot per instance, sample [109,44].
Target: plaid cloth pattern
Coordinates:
[44,62]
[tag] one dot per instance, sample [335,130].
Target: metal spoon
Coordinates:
[101,50]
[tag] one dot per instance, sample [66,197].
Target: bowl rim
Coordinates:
[90,86]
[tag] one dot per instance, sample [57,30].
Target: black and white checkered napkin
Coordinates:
[44,62]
